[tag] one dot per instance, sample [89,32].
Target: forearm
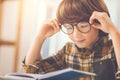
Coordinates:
[116,43]
[47,29]
[34,51]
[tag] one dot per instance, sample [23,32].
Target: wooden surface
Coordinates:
[6,42]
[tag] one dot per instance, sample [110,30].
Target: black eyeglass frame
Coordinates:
[75,24]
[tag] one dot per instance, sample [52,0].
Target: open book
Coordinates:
[65,74]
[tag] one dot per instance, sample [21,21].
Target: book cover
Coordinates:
[65,74]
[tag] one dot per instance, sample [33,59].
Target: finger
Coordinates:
[97,26]
[54,26]
[95,17]
[98,17]
[57,23]
[57,27]
[91,20]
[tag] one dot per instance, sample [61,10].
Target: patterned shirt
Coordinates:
[78,58]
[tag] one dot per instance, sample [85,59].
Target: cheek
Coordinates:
[70,36]
[93,34]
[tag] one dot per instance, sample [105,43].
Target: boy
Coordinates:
[88,24]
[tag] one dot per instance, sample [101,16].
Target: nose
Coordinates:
[76,32]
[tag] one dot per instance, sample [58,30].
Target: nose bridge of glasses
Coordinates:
[75,26]
[76,31]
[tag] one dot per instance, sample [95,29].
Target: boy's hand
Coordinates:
[49,28]
[106,25]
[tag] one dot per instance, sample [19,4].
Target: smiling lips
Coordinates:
[79,41]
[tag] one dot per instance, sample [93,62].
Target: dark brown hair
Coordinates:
[70,11]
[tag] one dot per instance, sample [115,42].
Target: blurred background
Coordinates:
[19,22]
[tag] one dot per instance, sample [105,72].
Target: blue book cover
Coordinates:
[67,74]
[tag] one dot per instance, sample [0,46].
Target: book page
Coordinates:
[59,75]
[55,73]
[22,76]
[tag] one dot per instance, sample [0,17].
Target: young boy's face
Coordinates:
[84,40]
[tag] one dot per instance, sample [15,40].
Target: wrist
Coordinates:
[40,36]
[114,31]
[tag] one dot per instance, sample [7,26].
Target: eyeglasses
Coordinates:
[83,27]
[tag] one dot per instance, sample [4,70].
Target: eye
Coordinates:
[68,26]
[84,26]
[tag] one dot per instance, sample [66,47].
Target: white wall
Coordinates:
[113,6]
[29,25]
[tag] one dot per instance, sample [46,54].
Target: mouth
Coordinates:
[79,41]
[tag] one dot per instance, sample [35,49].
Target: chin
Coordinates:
[83,46]
[79,46]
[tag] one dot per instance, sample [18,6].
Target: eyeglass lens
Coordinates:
[83,27]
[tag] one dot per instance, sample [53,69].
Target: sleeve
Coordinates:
[49,64]
[115,66]
[117,75]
